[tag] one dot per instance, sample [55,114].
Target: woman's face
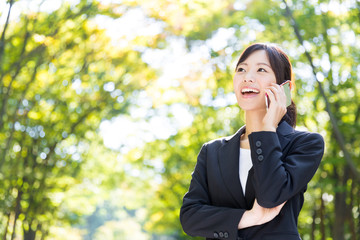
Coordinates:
[251,78]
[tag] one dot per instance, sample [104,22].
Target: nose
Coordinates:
[249,77]
[248,80]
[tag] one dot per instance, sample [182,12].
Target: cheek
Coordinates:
[272,79]
[268,81]
[236,87]
[236,81]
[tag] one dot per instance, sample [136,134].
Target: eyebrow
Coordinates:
[261,63]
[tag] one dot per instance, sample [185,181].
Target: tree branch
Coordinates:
[2,39]
[338,135]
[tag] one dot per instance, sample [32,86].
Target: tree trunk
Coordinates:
[322,217]
[358,210]
[313,225]
[340,206]
[17,212]
[350,216]
[6,226]
[29,234]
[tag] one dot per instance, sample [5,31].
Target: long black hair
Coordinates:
[282,68]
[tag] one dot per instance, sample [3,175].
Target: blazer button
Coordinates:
[260,158]
[259,151]
[216,235]
[221,234]
[226,234]
[258,143]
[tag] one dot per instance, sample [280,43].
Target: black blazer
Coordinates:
[283,163]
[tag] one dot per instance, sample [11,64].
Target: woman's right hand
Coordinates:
[259,215]
[277,108]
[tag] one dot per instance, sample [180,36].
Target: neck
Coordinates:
[253,121]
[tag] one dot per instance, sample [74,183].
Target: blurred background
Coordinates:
[104,105]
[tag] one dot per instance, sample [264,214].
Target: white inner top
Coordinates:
[245,164]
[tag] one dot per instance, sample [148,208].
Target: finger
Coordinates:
[277,86]
[281,205]
[279,92]
[270,94]
[279,89]
[275,92]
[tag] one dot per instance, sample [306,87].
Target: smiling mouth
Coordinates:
[246,91]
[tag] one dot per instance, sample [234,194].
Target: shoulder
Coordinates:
[298,135]
[299,139]
[216,143]
[219,142]
[307,139]
[306,135]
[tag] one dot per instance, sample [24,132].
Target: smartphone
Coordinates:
[287,89]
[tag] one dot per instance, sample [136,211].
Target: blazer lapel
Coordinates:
[228,159]
[283,131]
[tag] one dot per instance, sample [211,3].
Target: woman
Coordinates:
[251,185]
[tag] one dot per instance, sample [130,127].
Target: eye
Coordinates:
[262,70]
[240,69]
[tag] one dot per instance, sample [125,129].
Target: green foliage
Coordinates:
[62,75]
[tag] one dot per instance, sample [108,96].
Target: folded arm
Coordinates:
[277,178]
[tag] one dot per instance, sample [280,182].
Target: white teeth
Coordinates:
[249,90]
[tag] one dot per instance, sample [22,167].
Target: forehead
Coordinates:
[257,57]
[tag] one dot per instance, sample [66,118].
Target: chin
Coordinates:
[246,107]
[251,107]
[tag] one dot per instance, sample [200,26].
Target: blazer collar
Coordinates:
[228,159]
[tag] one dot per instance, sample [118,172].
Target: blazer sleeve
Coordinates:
[198,217]
[277,178]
